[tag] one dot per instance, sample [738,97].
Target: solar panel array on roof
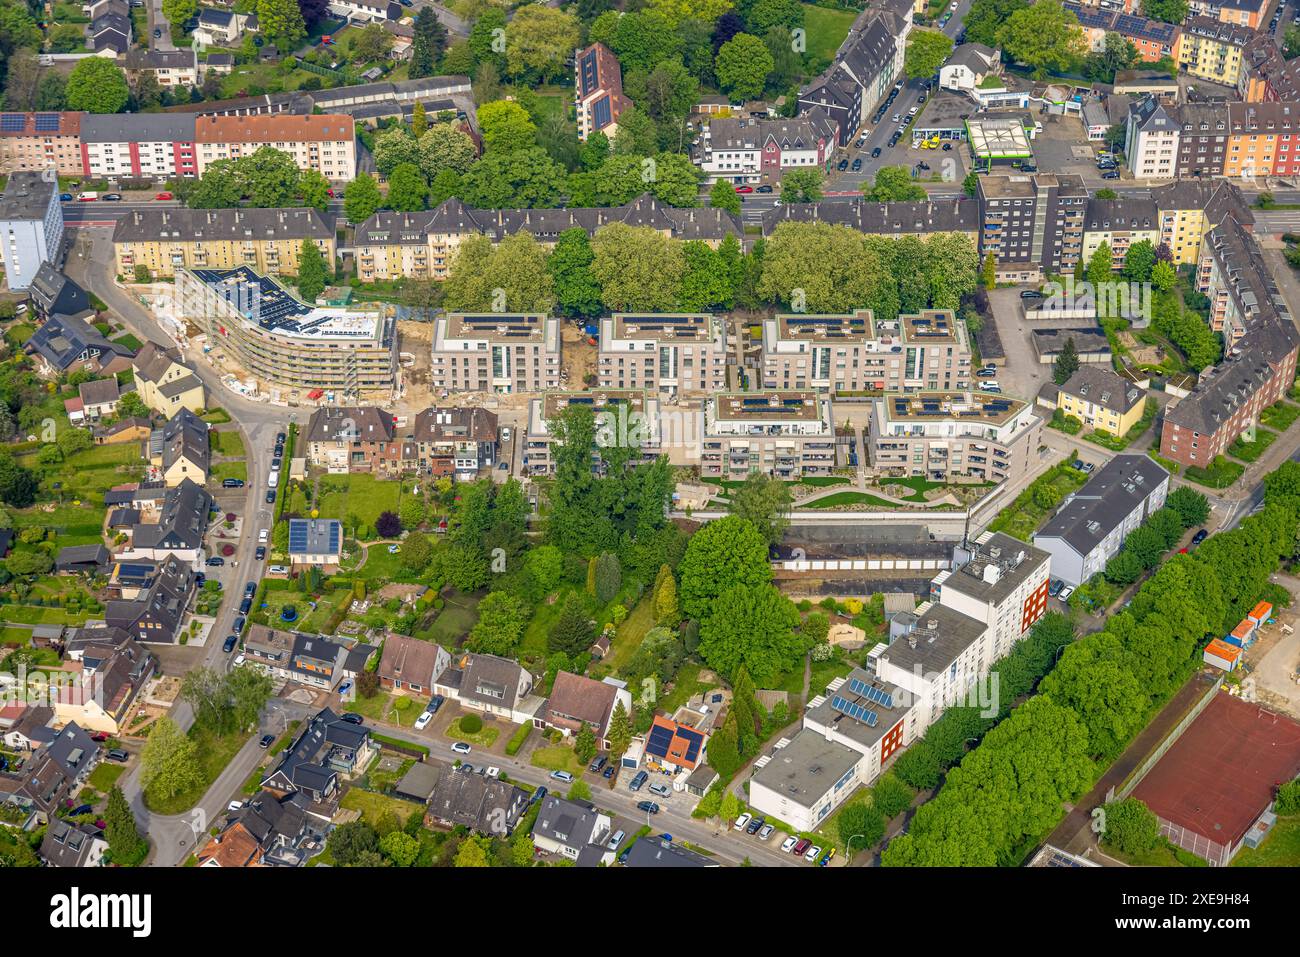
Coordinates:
[589,72]
[13,122]
[659,739]
[602,114]
[855,711]
[47,122]
[871,693]
[297,537]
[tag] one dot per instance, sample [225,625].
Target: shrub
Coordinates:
[471,723]
[1131,827]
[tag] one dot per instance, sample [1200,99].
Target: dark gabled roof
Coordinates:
[185,436]
[1110,496]
[174,224]
[459,423]
[99,391]
[67,844]
[163,604]
[55,293]
[73,750]
[959,215]
[571,823]
[62,339]
[183,521]
[655,852]
[349,424]
[74,556]
[1103,387]
[302,767]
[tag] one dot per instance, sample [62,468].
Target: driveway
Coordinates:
[1022,375]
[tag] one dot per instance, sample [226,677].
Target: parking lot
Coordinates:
[1022,376]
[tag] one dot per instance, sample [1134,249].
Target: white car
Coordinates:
[239,661]
[234,805]
[492,772]
[460,747]
[814,852]
[788,844]
[1066,592]
[263,535]
[742,821]
[423,720]
[953,5]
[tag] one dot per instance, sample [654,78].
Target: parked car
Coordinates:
[100,736]
[564,776]
[1055,587]
[599,763]
[65,197]
[638,780]
[423,720]
[116,754]
[875,152]
[270,496]
[246,606]
[112,197]
[266,741]
[788,844]
[987,372]
[825,861]
[744,189]
[239,623]
[609,771]
[435,703]
[250,589]
[539,794]
[814,852]
[764,189]
[345,687]
[164,195]
[1031,294]
[351,717]
[947,147]
[843,165]
[660,790]
[742,822]
[615,840]
[157,34]
[754,825]
[260,552]
[216,561]
[232,483]
[766,831]
[1110,174]
[233,805]
[1066,592]
[650,807]
[1084,467]
[229,644]
[1199,537]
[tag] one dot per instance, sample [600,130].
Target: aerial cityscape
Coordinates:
[649,434]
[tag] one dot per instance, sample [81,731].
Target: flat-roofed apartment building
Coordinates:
[853,352]
[280,340]
[1032,224]
[496,352]
[669,353]
[945,436]
[783,434]
[39,141]
[622,416]
[325,143]
[168,240]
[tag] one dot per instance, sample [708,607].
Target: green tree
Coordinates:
[444,146]
[1139,261]
[751,626]
[415,552]
[169,762]
[1130,826]
[517,267]
[179,12]
[313,189]
[1167,11]
[859,826]
[500,626]
[637,267]
[577,293]
[742,66]
[724,553]
[730,808]
[361,199]
[986,18]
[1044,37]
[428,43]
[407,190]
[506,127]
[620,732]
[893,184]
[926,52]
[540,40]
[765,501]
[573,632]
[723,195]
[126,846]
[1066,362]
[822,268]
[667,611]
[584,745]
[1191,507]
[400,848]
[472,852]
[281,22]
[609,577]
[801,186]
[97,85]
[526,178]
[1164,276]
[393,147]
[313,272]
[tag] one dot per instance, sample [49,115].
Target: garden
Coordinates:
[1023,516]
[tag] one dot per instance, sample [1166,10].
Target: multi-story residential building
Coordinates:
[935,656]
[138,146]
[155,617]
[366,11]
[40,141]
[65,344]
[186,452]
[783,434]
[165,241]
[1000,581]
[1263,140]
[598,91]
[968,66]
[165,522]
[108,34]
[1153,39]
[866,65]
[422,245]
[1101,400]
[883,219]
[1188,208]
[347,439]
[31,227]
[1247,13]
[164,383]
[114,670]
[459,441]
[630,418]
[53,294]
[223,27]
[1202,140]
[670,353]
[1119,223]
[1032,224]
[1091,524]
[169,67]
[1266,75]
[1232,272]
[278,339]
[1211,49]
[1152,138]
[325,142]
[948,436]
[854,352]
[489,684]
[748,150]
[496,352]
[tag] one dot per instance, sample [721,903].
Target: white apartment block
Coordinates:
[622,417]
[1152,141]
[31,226]
[325,143]
[496,352]
[661,352]
[783,434]
[854,353]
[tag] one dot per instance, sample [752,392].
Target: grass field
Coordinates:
[826,29]
[1280,849]
[838,499]
[1280,415]
[1022,518]
[459,614]
[373,806]
[559,757]
[358,495]
[92,472]
[233,470]
[229,444]
[484,737]
[1250,451]
[628,638]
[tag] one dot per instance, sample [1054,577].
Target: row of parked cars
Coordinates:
[799,846]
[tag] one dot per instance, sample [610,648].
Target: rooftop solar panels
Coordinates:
[659,739]
[297,536]
[855,711]
[871,693]
[47,122]
[13,122]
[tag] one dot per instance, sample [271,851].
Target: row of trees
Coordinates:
[1147,544]
[267,179]
[1104,688]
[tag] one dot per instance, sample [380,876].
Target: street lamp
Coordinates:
[848,847]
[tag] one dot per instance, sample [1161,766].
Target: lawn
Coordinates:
[533,645]
[1280,415]
[215,753]
[628,638]
[1280,849]
[90,473]
[1220,474]
[229,470]
[395,709]
[216,416]
[10,635]
[130,341]
[686,685]
[1251,451]
[362,496]
[1022,517]
[229,444]
[484,737]
[559,757]
[459,614]
[839,499]
[105,776]
[382,564]
[373,805]
[826,29]
[1163,854]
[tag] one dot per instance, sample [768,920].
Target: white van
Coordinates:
[990,386]
[615,841]
[273,480]
[262,536]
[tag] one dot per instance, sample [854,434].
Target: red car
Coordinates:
[164,195]
[99,736]
[744,189]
